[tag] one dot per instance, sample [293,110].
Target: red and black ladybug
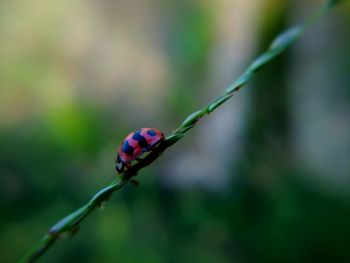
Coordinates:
[135,144]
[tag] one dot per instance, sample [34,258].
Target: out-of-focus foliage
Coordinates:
[75,77]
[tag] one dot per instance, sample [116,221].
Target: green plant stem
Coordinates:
[70,223]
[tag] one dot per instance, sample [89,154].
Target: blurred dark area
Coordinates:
[265,178]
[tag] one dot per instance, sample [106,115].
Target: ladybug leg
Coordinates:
[134,182]
[144,150]
[128,165]
[74,231]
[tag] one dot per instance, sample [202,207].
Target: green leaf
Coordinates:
[241,81]
[172,139]
[277,46]
[69,221]
[261,61]
[218,102]
[285,39]
[193,118]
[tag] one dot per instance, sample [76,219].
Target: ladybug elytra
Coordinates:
[135,144]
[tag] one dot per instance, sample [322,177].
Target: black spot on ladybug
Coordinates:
[141,140]
[119,160]
[126,148]
[151,133]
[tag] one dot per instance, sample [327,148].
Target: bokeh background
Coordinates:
[263,179]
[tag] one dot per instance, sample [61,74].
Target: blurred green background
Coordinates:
[264,179]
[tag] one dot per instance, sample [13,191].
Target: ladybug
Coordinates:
[135,144]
